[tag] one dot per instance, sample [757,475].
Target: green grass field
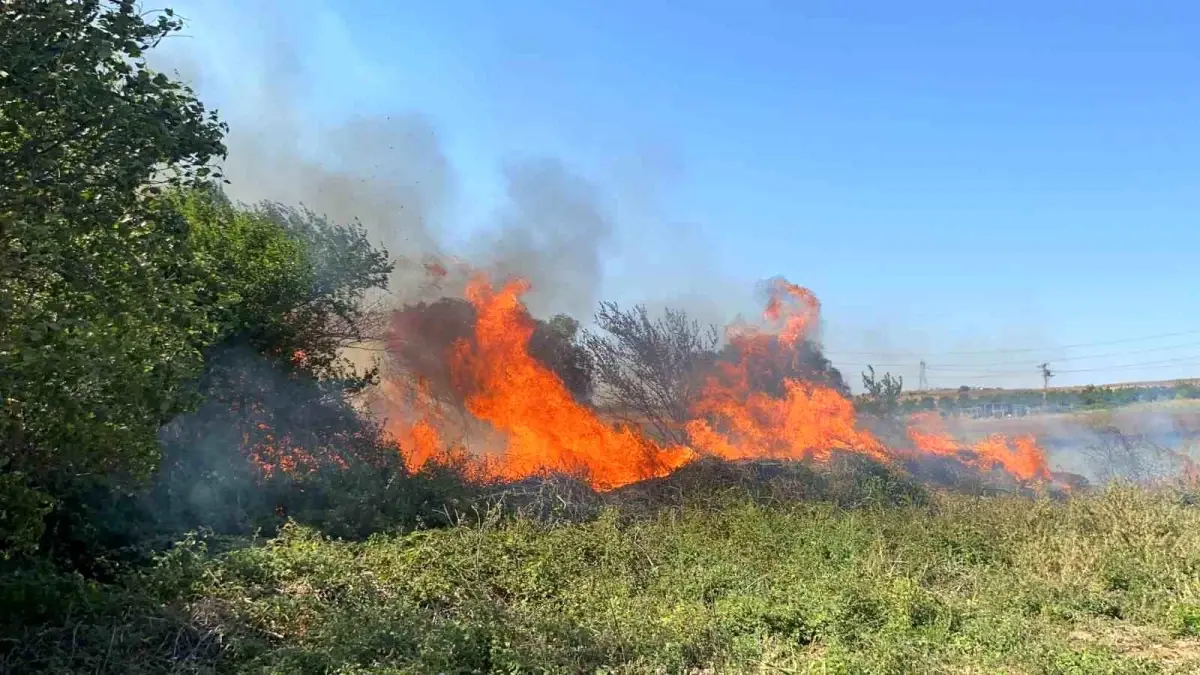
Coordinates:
[1103,583]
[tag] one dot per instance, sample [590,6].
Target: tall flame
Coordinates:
[734,419]
[418,429]
[752,405]
[546,428]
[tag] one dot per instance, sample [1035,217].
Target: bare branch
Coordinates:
[650,369]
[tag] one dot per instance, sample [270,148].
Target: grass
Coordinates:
[1101,583]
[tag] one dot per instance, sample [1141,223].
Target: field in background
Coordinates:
[1134,418]
[1069,436]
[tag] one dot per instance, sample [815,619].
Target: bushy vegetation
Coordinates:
[1101,584]
[168,360]
[102,326]
[650,371]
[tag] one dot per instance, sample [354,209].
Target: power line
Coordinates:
[1014,367]
[1190,360]
[1186,359]
[1023,350]
[1082,357]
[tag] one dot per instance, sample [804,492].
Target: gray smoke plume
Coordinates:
[553,231]
[388,171]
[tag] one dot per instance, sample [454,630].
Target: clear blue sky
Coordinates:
[946,177]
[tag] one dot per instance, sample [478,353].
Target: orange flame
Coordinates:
[1022,456]
[737,417]
[794,306]
[418,431]
[546,429]
[807,420]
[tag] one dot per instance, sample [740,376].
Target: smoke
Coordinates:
[387,172]
[390,174]
[553,232]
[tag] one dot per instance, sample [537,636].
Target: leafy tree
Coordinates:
[1092,396]
[284,282]
[103,327]
[964,397]
[286,288]
[882,397]
[1188,390]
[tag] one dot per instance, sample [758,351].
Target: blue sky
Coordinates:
[947,178]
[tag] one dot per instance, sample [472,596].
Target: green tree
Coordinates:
[102,327]
[284,282]
[285,291]
[1092,396]
[882,396]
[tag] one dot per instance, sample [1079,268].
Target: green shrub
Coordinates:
[962,583]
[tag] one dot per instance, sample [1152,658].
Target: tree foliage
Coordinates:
[286,288]
[284,282]
[146,314]
[881,395]
[103,327]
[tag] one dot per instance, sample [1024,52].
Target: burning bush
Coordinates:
[768,395]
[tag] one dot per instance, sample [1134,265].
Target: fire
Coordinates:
[546,428]
[755,402]
[418,432]
[805,420]
[1021,456]
[809,421]
[795,306]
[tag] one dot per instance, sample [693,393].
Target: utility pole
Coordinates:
[1046,375]
[922,380]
